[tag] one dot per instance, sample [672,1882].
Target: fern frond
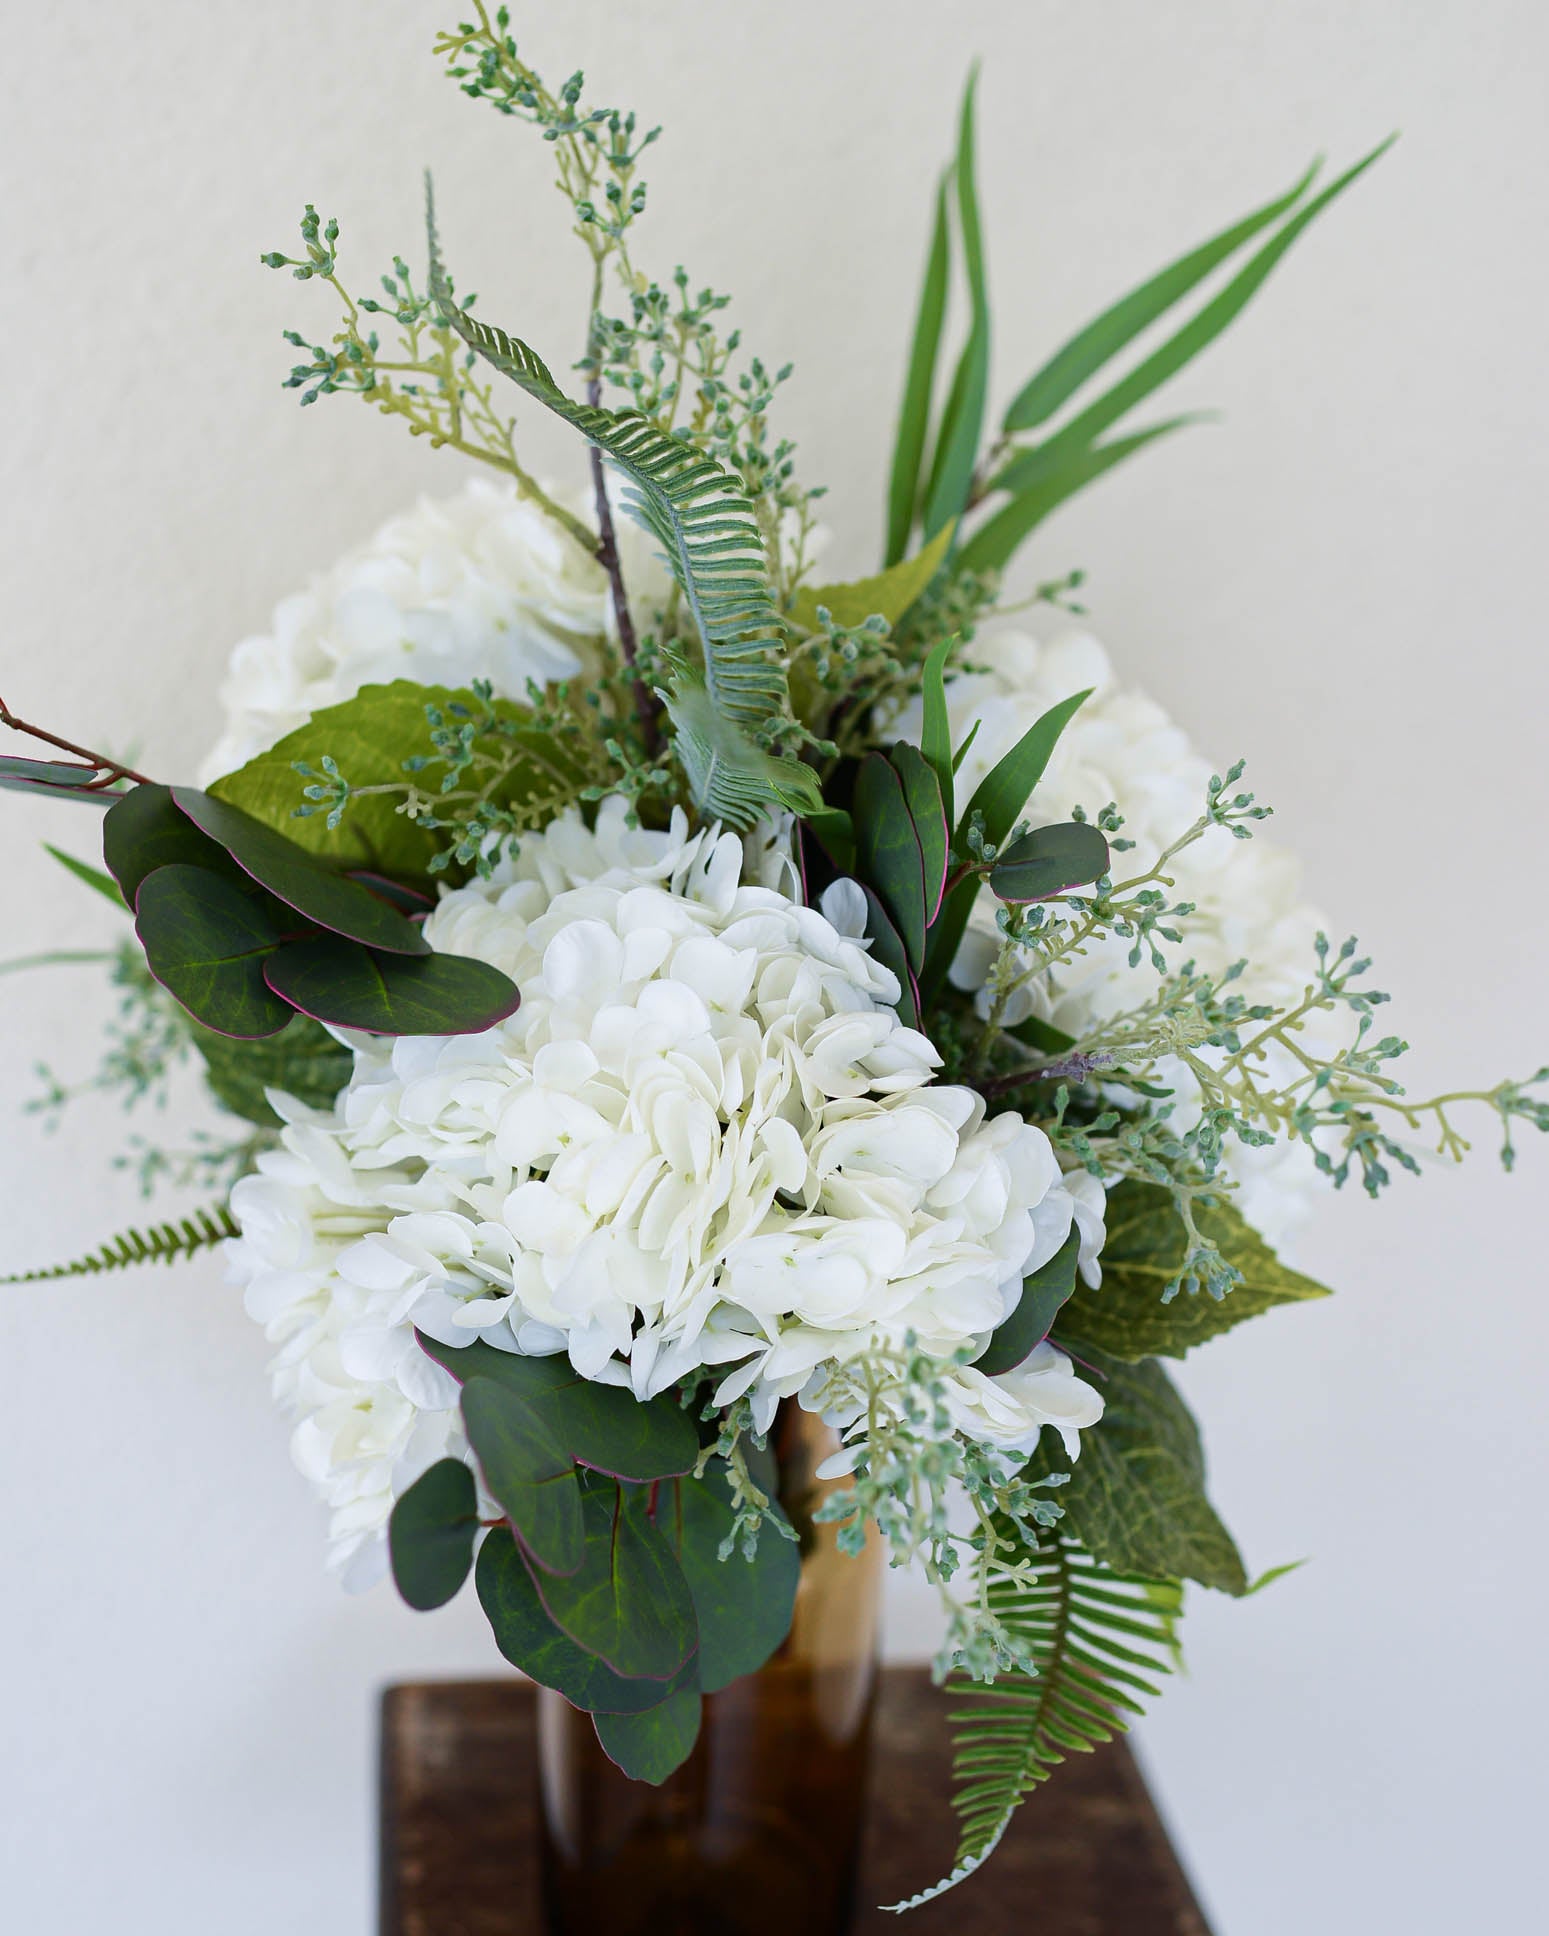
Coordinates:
[1097,1640]
[162,1243]
[703,520]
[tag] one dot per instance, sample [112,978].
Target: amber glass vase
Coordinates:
[759,1830]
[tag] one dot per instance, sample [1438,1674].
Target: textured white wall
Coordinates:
[1343,582]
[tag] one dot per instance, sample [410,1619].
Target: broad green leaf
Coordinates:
[92,877]
[1000,797]
[903,492]
[922,796]
[1090,348]
[649,1746]
[303,1061]
[528,1469]
[889,595]
[1044,1292]
[207,942]
[887,947]
[529,1377]
[293,876]
[957,447]
[339,981]
[993,545]
[743,1606]
[1049,860]
[628,1602]
[1136,1496]
[936,729]
[144,831]
[1182,347]
[1144,1250]
[887,851]
[369,736]
[529,1639]
[431,1532]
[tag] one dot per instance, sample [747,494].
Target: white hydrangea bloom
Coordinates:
[705,1139]
[1122,747]
[482,585]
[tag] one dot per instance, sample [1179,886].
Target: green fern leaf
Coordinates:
[162,1243]
[1096,1639]
[703,520]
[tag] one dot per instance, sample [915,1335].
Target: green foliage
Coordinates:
[888,596]
[161,1243]
[1135,1499]
[1093,1640]
[914,412]
[528,1469]
[901,841]
[1136,1314]
[962,419]
[649,1746]
[91,877]
[207,942]
[350,986]
[1044,1293]
[1049,860]
[431,1533]
[303,1060]
[743,1602]
[628,1601]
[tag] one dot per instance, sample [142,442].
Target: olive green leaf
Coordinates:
[528,1470]
[743,1606]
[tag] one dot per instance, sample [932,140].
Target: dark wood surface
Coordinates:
[1085,1856]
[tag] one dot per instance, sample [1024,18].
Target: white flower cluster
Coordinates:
[1122,747]
[483,585]
[703,1141]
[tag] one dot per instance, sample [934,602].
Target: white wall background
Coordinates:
[1343,582]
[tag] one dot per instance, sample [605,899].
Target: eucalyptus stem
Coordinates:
[105,772]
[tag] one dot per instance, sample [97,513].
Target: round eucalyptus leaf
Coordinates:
[206,941]
[743,1606]
[339,981]
[431,1532]
[650,1746]
[527,1468]
[1045,1292]
[293,876]
[144,830]
[1048,861]
[628,1601]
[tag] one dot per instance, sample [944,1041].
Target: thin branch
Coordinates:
[608,558]
[105,772]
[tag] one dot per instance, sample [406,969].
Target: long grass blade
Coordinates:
[903,491]
[962,423]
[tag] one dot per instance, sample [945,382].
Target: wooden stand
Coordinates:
[1086,1855]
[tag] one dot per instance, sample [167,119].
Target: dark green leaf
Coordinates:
[834,831]
[1044,1292]
[922,796]
[303,1061]
[888,948]
[528,1469]
[529,1377]
[649,1746]
[993,545]
[628,1602]
[743,1606]
[936,731]
[293,876]
[529,1639]
[144,831]
[1136,1496]
[55,777]
[889,595]
[431,1532]
[339,981]
[962,422]
[207,941]
[887,850]
[1049,860]
[92,877]
[919,382]
[1102,339]
[1144,1250]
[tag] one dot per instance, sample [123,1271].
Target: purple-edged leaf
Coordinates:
[887,850]
[339,981]
[651,1746]
[743,1606]
[55,777]
[407,900]
[922,796]
[207,942]
[430,1535]
[1045,1292]
[529,1639]
[936,729]
[887,947]
[528,1470]
[144,831]
[833,830]
[293,876]
[1049,860]
[628,1601]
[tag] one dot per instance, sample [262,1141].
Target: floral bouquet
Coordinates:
[656,990]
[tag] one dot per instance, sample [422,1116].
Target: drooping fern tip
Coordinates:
[162,1243]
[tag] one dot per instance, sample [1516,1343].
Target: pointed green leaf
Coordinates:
[887,850]
[628,1601]
[92,877]
[1048,861]
[293,876]
[922,796]
[936,730]
[527,1468]
[431,1532]
[889,595]
[1102,339]
[919,383]
[1044,1292]
[207,942]
[339,981]
[1144,1250]
[887,947]
[649,1746]
[743,1606]
[962,423]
